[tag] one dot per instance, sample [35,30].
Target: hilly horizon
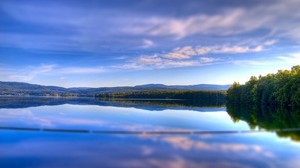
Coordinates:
[27,89]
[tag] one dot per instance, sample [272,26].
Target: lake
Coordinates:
[55,132]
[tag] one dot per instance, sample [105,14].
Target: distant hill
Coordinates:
[186,87]
[26,89]
[18,88]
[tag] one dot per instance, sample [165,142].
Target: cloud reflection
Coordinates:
[50,118]
[75,150]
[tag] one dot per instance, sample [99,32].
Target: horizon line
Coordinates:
[113,86]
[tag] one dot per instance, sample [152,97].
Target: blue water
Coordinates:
[120,135]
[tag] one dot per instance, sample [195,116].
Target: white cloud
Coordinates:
[120,57]
[160,61]
[249,62]
[147,43]
[221,24]
[45,68]
[156,62]
[186,56]
[270,42]
[278,19]
[26,74]
[29,73]
[150,60]
[207,59]
[181,53]
[293,58]
[237,49]
[81,70]
[279,62]
[175,55]
[188,51]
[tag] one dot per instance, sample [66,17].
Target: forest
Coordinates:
[279,89]
[204,97]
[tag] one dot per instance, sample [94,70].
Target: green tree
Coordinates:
[280,89]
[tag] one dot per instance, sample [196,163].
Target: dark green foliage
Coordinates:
[280,89]
[268,118]
[208,97]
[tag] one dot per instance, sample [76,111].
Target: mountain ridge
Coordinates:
[27,89]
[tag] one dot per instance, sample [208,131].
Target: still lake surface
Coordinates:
[52,132]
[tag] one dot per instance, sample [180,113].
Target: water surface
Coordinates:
[49,132]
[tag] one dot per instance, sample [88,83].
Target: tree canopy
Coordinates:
[280,89]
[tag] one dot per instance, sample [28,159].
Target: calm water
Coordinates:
[47,132]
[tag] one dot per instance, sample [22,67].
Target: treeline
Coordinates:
[207,97]
[167,104]
[280,89]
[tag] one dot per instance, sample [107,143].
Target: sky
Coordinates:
[96,43]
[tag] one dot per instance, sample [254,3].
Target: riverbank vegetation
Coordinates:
[205,97]
[280,89]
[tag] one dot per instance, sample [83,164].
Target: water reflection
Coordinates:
[165,102]
[147,104]
[32,149]
[268,118]
[118,118]
[50,132]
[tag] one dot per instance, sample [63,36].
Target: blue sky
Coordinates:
[117,43]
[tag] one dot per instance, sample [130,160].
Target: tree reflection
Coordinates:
[282,120]
[166,102]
